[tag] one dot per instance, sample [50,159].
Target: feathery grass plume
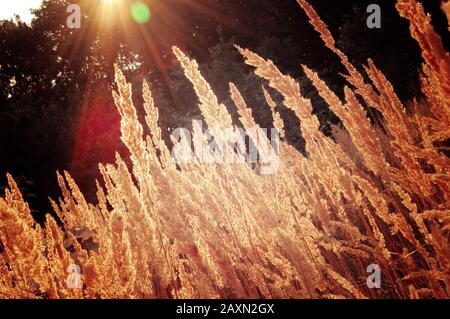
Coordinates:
[446,9]
[288,87]
[355,120]
[401,133]
[346,285]
[366,91]
[387,102]
[216,115]
[355,78]
[255,132]
[318,146]
[152,116]
[202,153]
[433,53]
[245,112]
[23,247]
[131,129]
[277,121]
[402,139]
[58,257]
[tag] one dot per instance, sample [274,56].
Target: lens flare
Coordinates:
[140,12]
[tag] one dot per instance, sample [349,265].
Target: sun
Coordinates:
[109,3]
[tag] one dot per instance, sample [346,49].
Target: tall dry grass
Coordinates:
[374,194]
